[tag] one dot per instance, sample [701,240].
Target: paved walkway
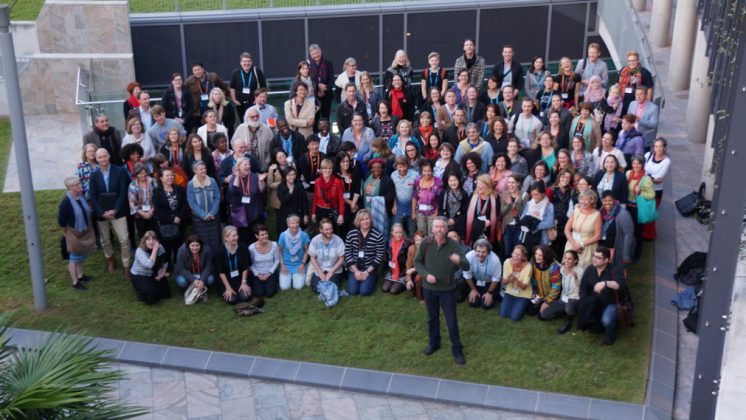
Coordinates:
[173,394]
[686,171]
[55,144]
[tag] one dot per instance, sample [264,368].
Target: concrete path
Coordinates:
[55,143]
[173,394]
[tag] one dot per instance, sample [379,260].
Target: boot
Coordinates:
[127,273]
[567,327]
[112,265]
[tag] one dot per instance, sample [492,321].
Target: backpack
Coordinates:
[625,308]
[691,271]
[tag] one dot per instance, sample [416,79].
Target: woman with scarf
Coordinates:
[595,94]
[546,281]
[133,89]
[582,159]
[293,245]
[328,201]
[275,174]
[75,218]
[175,152]
[394,281]
[561,198]
[632,76]
[401,99]
[140,196]
[245,189]
[453,203]
[292,199]
[537,217]
[639,185]
[567,304]
[500,172]
[512,202]
[586,126]
[224,110]
[614,110]
[517,281]
[424,129]
[427,189]
[482,213]
[617,231]
[583,228]
[432,146]
[379,195]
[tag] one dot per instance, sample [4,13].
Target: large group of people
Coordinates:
[537,203]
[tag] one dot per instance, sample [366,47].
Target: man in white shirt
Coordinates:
[483,276]
[327,252]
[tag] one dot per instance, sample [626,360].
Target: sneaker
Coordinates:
[565,328]
[80,286]
[430,350]
[460,359]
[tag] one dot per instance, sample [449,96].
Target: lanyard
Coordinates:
[434,76]
[327,248]
[545,102]
[482,209]
[312,162]
[142,191]
[207,85]
[232,262]
[245,188]
[580,126]
[486,266]
[485,130]
[566,87]
[287,144]
[251,77]
[195,264]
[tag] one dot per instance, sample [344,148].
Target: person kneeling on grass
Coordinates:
[483,276]
[194,264]
[517,282]
[567,304]
[232,263]
[394,280]
[546,280]
[265,258]
[293,245]
[598,289]
[148,274]
[327,256]
[365,249]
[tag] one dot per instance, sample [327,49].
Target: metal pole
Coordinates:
[18,127]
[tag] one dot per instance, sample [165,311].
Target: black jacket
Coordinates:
[169,103]
[517,73]
[163,212]
[299,145]
[66,213]
[345,113]
[118,184]
[407,103]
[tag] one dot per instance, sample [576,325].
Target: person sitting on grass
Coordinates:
[194,264]
[232,263]
[326,252]
[598,289]
[265,258]
[483,276]
[293,245]
[148,273]
[393,281]
[567,304]
[546,280]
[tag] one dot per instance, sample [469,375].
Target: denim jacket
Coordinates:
[204,199]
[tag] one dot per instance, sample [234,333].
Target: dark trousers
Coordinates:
[435,300]
[632,209]
[479,302]
[267,288]
[149,290]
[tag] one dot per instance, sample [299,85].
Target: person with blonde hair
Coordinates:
[149,273]
[232,263]
[365,248]
[483,211]
[401,66]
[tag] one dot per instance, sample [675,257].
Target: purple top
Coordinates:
[427,198]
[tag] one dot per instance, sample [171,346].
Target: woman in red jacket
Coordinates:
[328,201]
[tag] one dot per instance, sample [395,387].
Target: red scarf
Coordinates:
[625,77]
[396,96]
[425,133]
[133,101]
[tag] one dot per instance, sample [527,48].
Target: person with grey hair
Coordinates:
[322,74]
[436,260]
[258,138]
[140,195]
[350,74]
[394,281]
[483,276]
[106,136]
[75,218]
[476,144]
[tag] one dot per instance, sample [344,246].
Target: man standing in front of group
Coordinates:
[437,258]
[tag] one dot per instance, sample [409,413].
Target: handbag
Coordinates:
[169,232]
[193,295]
[625,311]
[79,243]
[688,204]
[646,211]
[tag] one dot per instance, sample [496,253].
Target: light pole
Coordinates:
[18,127]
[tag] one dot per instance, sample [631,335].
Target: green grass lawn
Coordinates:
[377,332]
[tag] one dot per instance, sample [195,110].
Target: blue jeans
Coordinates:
[362,288]
[183,283]
[447,300]
[510,239]
[513,307]
[609,321]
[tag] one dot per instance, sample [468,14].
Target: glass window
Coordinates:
[284,45]
[568,31]
[393,37]
[219,45]
[157,53]
[443,32]
[339,38]
[525,28]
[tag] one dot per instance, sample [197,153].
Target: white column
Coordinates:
[639,5]
[684,28]
[700,92]
[660,22]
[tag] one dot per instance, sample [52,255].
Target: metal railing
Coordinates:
[165,6]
